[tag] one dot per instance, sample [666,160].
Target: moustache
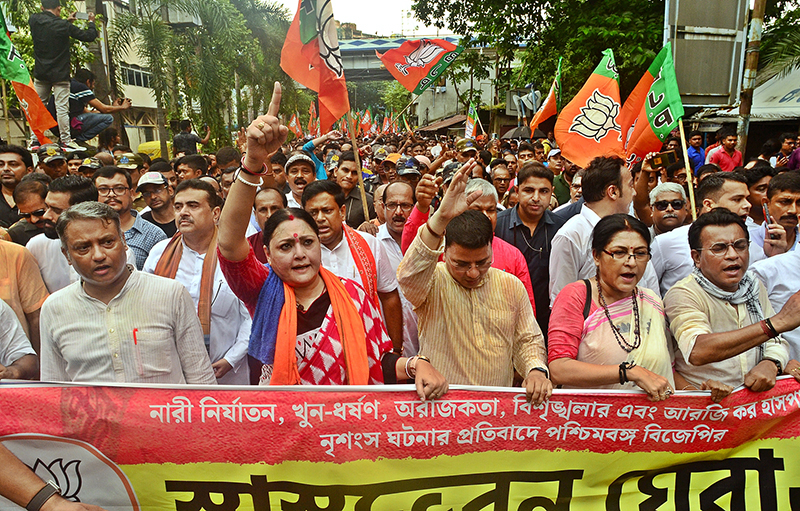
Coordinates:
[789,218]
[300,181]
[670,215]
[398,218]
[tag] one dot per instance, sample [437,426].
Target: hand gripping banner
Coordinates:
[380,448]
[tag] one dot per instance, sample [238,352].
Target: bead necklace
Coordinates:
[623,343]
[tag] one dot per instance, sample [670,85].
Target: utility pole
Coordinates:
[750,70]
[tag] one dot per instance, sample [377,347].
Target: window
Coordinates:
[134,75]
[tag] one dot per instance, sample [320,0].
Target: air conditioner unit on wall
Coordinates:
[179,18]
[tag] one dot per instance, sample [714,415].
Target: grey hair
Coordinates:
[483,185]
[666,187]
[89,210]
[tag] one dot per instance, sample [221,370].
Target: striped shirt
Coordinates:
[472,336]
[142,237]
[148,333]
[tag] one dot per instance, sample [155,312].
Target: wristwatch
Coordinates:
[38,500]
[777,363]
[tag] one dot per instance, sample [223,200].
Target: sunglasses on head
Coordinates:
[676,204]
[38,212]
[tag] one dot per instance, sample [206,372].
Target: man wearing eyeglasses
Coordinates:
[114,188]
[29,196]
[672,258]
[668,205]
[355,255]
[62,193]
[476,322]
[158,195]
[398,199]
[720,315]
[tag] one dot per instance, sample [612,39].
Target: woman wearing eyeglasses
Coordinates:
[607,332]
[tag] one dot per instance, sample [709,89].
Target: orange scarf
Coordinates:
[348,323]
[365,263]
[167,266]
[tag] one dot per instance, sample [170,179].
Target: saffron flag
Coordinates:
[294,126]
[552,103]
[472,116]
[311,56]
[408,128]
[366,121]
[589,125]
[654,111]
[385,128]
[418,64]
[13,68]
[312,118]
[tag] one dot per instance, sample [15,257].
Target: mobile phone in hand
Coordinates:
[768,219]
[81,15]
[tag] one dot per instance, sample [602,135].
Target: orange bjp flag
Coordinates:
[589,125]
[418,64]
[311,56]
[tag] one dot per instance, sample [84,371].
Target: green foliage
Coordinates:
[780,47]
[365,94]
[395,97]
[577,30]
[18,11]
[472,66]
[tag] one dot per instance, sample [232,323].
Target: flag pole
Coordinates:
[413,99]
[688,169]
[5,111]
[351,128]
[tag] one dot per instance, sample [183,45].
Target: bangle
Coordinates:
[238,177]
[623,371]
[263,172]
[435,235]
[407,373]
[774,332]
[765,328]
[43,496]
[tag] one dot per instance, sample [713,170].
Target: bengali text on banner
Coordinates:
[368,448]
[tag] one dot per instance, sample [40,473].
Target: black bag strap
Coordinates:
[588,305]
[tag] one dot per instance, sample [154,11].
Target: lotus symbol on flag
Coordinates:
[421,57]
[597,118]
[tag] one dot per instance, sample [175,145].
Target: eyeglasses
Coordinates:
[404,206]
[465,267]
[502,179]
[37,213]
[624,255]
[721,248]
[156,191]
[118,190]
[676,204]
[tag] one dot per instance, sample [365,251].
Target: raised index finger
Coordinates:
[275,103]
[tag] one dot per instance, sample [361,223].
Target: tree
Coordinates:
[780,46]
[147,33]
[395,97]
[574,29]
[472,65]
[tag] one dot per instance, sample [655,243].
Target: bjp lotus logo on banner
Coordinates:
[83,473]
[597,118]
[421,57]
